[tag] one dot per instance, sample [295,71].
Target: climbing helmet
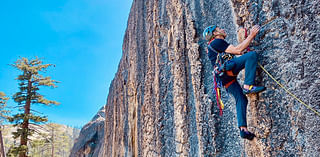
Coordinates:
[208,32]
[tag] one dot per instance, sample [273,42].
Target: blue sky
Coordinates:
[83,38]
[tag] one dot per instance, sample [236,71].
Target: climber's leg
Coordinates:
[249,62]
[241,103]
[241,107]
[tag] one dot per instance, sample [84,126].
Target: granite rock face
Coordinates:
[90,142]
[161,101]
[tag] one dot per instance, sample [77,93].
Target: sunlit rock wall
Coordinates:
[161,102]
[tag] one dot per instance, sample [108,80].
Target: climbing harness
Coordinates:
[222,76]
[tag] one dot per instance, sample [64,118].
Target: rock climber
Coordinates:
[227,66]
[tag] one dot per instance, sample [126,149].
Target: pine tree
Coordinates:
[30,82]
[3,116]
[3,104]
[54,141]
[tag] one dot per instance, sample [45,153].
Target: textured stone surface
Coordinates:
[91,139]
[161,101]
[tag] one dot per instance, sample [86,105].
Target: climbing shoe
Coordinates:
[253,89]
[246,134]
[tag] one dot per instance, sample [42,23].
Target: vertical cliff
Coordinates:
[161,102]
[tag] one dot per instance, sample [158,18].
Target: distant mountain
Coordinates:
[91,138]
[50,136]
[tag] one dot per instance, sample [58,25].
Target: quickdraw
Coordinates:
[218,85]
[220,72]
[218,95]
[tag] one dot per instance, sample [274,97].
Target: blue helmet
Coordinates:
[208,32]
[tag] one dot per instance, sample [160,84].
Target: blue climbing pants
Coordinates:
[248,62]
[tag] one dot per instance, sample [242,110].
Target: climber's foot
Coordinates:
[246,135]
[253,89]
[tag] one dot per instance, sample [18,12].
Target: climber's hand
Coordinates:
[254,30]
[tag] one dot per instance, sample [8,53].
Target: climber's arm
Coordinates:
[237,50]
